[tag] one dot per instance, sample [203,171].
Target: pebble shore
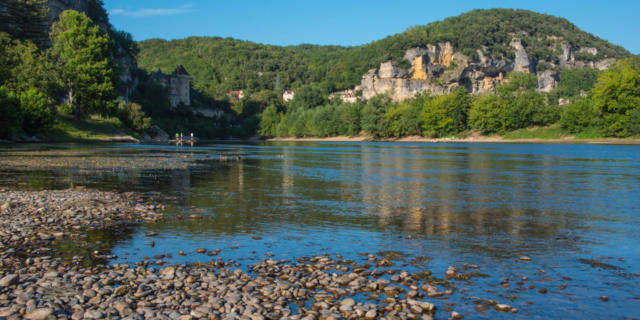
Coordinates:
[37,284]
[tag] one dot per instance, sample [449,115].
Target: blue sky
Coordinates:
[357,22]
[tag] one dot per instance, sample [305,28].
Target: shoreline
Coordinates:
[36,283]
[474,139]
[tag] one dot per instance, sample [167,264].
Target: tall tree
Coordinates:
[82,52]
[617,97]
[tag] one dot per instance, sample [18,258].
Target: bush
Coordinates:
[404,119]
[487,114]
[579,115]
[10,113]
[633,124]
[447,114]
[38,115]
[132,116]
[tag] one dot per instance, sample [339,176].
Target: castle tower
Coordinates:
[179,87]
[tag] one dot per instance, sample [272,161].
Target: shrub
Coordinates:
[579,115]
[447,114]
[10,113]
[132,116]
[38,115]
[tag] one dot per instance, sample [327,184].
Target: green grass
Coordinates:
[92,129]
[589,133]
[554,132]
[546,133]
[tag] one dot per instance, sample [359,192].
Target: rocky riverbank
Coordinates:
[37,284]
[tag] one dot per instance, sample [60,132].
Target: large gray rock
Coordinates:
[547,81]
[522,62]
[9,280]
[415,52]
[155,134]
[389,70]
[39,314]
[566,57]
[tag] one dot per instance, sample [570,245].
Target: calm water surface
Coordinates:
[574,209]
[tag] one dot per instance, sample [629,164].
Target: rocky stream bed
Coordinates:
[36,283]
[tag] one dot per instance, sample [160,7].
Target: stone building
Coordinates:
[178,83]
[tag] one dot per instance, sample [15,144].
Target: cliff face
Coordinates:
[24,21]
[439,69]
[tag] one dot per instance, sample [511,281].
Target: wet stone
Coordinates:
[39,314]
[9,280]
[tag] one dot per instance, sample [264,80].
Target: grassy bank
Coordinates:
[94,129]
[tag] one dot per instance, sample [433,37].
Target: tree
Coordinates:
[487,114]
[309,97]
[350,118]
[6,63]
[446,114]
[374,121]
[29,68]
[617,96]
[81,51]
[579,115]
[573,81]
[269,121]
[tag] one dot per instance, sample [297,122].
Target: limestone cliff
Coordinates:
[438,68]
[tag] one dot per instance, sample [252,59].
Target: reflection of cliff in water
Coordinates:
[451,196]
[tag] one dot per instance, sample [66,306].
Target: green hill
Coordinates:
[219,65]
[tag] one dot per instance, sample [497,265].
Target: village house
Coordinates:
[346,96]
[288,95]
[237,94]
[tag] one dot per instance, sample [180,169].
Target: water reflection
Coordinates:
[450,202]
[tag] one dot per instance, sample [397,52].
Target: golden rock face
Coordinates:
[443,54]
[419,68]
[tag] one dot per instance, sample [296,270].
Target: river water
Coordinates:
[573,209]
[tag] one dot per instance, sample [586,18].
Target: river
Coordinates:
[574,210]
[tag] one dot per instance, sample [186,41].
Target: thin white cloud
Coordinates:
[152,12]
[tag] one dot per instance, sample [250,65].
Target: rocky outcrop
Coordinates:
[522,63]
[155,134]
[350,96]
[389,70]
[438,69]
[547,81]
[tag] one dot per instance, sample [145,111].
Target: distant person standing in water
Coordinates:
[191,136]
